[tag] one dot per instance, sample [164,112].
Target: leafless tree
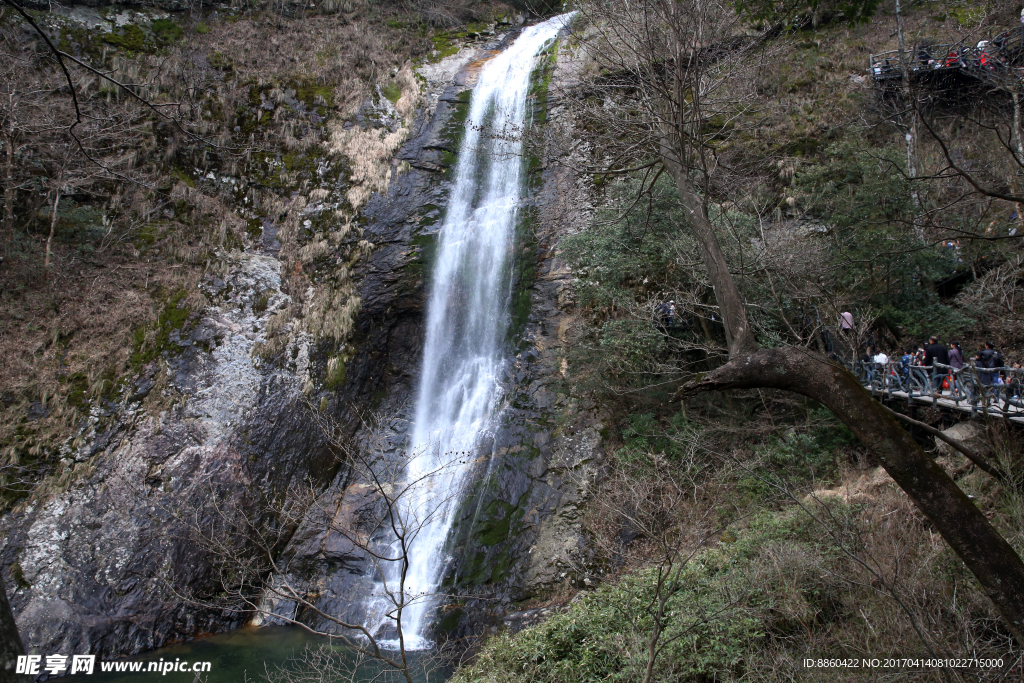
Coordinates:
[258,577]
[657,511]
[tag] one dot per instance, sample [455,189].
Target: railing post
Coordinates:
[951,375]
[1005,389]
[975,395]
[931,384]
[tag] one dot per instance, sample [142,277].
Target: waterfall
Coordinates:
[467,321]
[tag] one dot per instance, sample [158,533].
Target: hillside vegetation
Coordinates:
[732,535]
[230,132]
[737,535]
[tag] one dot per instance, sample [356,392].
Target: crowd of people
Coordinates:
[989,55]
[941,364]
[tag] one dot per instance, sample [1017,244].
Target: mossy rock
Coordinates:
[449,620]
[148,347]
[130,37]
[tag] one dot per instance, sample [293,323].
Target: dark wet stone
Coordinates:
[36,410]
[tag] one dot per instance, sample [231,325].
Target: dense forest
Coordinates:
[756,411]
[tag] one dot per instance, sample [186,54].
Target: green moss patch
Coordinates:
[498,520]
[131,38]
[446,44]
[392,91]
[151,341]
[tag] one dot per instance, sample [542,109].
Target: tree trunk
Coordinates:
[912,129]
[10,642]
[9,188]
[53,226]
[738,334]
[1018,138]
[963,526]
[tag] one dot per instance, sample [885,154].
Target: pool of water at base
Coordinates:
[248,654]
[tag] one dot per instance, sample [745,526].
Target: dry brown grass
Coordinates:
[166,233]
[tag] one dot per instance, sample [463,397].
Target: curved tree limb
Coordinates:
[971,180]
[962,525]
[60,56]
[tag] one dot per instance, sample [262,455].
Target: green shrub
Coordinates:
[166,30]
[712,624]
[643,435]
[335,378]
[392,91]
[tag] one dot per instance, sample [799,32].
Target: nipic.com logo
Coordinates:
[54,665]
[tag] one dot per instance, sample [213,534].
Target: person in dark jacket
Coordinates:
[1015,382]
[936,353]
[988,358]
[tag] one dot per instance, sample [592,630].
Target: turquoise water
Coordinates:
[261,655]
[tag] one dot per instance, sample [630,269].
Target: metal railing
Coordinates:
[997,58]
[970,388]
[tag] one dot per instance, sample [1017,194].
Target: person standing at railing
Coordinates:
[879,360]
[956,356]
[936,353]
[980,363]
[905,361]
[987,359]
[868,364]
[924,58]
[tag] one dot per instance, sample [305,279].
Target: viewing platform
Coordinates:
[1000,59]
[968,389]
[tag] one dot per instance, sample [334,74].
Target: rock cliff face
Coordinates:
[103,565]
[518,534]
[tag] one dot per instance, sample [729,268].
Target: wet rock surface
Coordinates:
[102,565]
[518,534]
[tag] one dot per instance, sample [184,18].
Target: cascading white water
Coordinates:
[467,319]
